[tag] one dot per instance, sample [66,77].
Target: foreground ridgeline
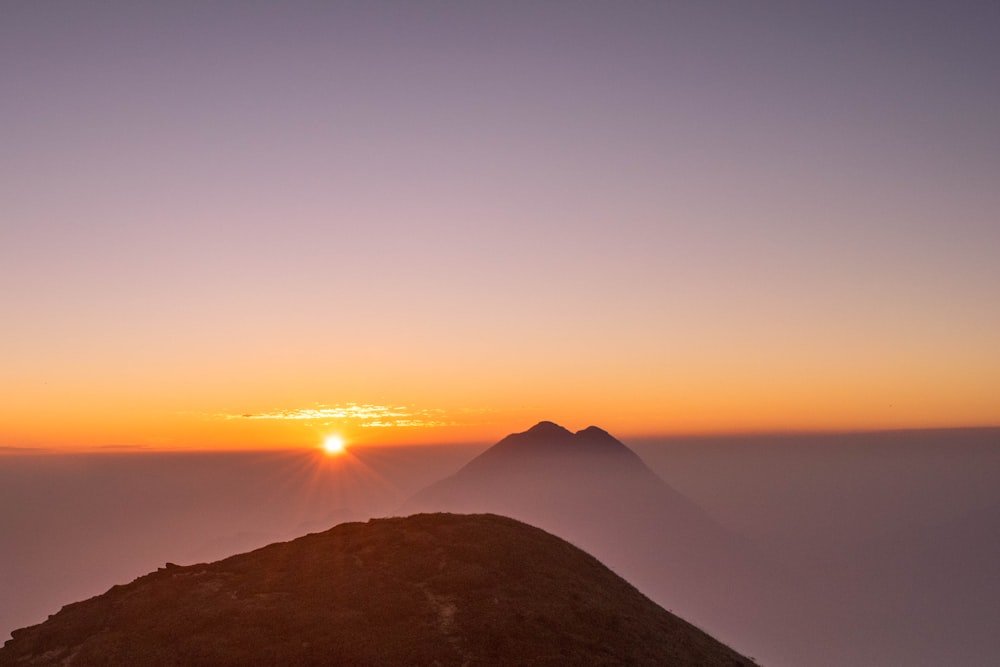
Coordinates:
[429,589]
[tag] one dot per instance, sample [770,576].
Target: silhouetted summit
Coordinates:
[551,432]
[595,432]
[550,446]
[548,429]
[429,589]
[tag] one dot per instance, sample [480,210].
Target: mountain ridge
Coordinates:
[549,444]
[427,589]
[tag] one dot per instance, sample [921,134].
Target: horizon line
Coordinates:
[14,450]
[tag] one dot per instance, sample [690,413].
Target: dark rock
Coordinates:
[428,589]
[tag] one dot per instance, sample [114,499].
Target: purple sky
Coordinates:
[458,206]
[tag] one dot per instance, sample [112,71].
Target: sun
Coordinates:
[333,445]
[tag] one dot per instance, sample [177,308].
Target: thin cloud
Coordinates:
[365,415]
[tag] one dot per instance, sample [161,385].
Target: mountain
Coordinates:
[428,589]
[591,489]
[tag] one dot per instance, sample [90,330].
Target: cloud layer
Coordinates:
[365,415]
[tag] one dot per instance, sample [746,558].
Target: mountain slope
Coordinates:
[428,589]
[592,490]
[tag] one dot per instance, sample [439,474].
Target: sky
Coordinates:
[252,224]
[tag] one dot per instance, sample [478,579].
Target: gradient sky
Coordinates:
[237,224]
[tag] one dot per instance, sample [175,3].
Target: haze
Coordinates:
[876,548]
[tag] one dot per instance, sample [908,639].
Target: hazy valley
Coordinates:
[854,549]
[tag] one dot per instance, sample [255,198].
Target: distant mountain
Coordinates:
[592,490]
[424,590]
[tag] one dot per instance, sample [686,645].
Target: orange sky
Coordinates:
[277,411]
[657,219]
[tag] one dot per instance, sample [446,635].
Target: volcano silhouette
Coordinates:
[425,590]
[591,489]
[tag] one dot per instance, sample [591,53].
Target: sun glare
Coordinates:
[333,445]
